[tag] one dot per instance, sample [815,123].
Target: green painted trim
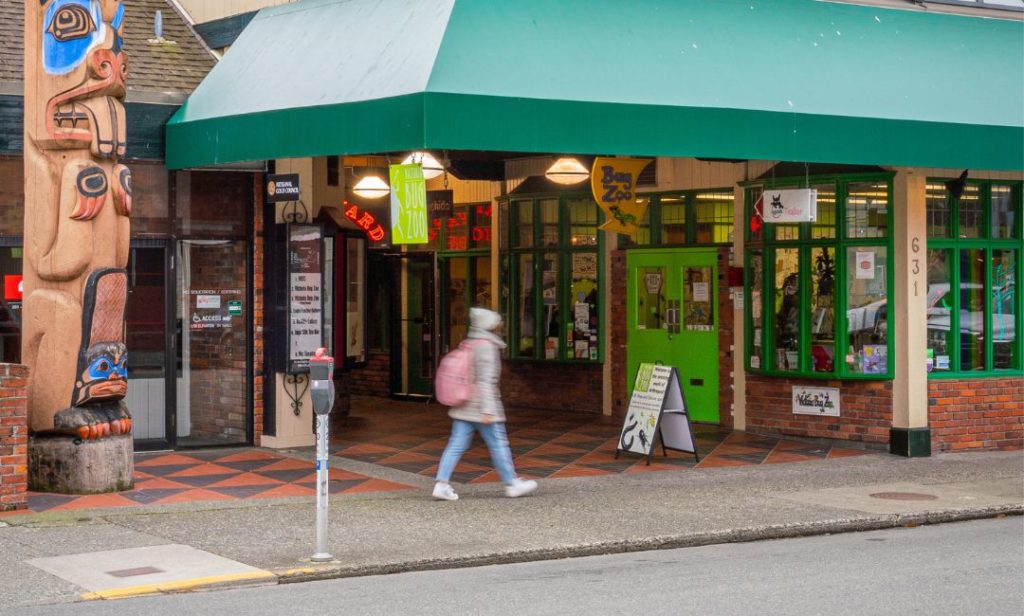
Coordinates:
[910,442]
[467,122]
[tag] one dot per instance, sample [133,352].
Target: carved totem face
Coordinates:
[106,374]
[83,76]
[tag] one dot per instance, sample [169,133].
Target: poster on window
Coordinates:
[305,297]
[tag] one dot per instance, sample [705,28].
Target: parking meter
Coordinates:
[321,376]
[321,390]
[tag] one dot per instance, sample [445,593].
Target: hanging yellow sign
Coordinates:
[613,181]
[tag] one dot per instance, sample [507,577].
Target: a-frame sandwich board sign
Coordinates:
[657,408]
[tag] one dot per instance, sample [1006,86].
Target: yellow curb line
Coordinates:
[183,585]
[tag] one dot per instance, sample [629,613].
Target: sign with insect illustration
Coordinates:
[657,409]
[613,181]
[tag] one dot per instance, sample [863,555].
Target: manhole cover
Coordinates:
[904,496]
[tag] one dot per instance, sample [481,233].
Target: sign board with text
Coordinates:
[657,409]
[816,401]
[282,187]
[305,295]
[408,204]
[790,205]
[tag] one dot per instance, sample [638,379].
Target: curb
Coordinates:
[234,580]
[740,535]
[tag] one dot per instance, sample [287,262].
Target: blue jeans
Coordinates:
[461,438]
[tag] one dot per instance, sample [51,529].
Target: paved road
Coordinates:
[961,568]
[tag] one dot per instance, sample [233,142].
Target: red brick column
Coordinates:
[257,309]
[13,436]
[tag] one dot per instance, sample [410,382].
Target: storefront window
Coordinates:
[10,306]
[867,210]
[685,218]
[523,217]
[652,303]
[786,305]
[974,308]
[940,305]
[562,321]
[713,215]
[355,294]
[816,272]
[756,283]
[823,282]
[970,211]
[867,310]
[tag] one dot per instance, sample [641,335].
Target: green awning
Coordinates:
[801,80]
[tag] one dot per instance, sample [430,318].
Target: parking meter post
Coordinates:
[321,371]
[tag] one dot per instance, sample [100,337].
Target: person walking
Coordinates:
[482,413]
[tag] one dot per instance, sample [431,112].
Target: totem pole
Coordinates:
[77,202]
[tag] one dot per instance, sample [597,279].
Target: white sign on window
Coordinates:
[791,205]
[865,265]
[816,401]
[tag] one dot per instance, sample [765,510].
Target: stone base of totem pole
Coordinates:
[71,466]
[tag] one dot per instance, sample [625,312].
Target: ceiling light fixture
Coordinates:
[567,171]
[371,186]
[431,167]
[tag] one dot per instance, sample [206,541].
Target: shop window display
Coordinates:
[827,282]
[561,259]
[973,304]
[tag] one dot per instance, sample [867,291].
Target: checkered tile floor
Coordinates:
[162,479]
[411,437]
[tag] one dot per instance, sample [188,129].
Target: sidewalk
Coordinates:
[270,540]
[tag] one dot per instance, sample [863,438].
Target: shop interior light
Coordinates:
[567,171]
[431,166]
[371,186]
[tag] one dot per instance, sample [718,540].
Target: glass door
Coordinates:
[413,348]
[148,343]
[466,283]
[213,351]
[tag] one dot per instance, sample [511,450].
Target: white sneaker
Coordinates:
[444,491]
[520,487]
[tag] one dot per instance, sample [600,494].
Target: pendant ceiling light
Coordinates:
[371,187]
[567,171]
[431,167]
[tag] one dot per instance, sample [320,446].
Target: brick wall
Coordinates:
[13,436]
[549,386]
[865,410]
[976,413]
[374,379]
[725,341]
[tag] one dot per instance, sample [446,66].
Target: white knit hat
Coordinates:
[483,318]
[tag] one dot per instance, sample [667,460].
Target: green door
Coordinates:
[672,318]
[412,350]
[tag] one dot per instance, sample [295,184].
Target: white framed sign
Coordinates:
[657,408]
[816,401]
[791,205]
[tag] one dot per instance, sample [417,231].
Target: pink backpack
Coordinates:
[453,383]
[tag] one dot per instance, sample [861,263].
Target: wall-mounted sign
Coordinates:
[816,401]
[305,296]
[657,408]
[440,203]
[790,205]
[282,187]
[365,221]
[408,205]
[613,182]
[235,308]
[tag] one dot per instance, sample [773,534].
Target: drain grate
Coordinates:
[904,496]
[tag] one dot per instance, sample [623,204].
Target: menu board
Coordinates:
[305,295]
[657,408]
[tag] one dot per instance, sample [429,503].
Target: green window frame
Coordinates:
[975,308]
[554,247]
[802,278]
[685,218]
